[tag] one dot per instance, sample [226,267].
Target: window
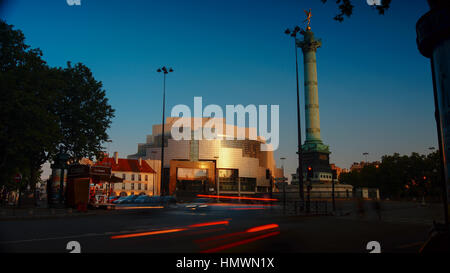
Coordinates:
[132,185]
[146,177]
[145,186]
[124,176]
[139,186]
[139,177]
[132,177]
[123,186]
[248,184]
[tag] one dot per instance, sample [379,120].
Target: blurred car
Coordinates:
[199,203]
[155,199]
[142,199]
[127,200]
[119,200]
[168,199]
[113,198]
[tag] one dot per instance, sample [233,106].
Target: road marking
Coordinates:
[68,237]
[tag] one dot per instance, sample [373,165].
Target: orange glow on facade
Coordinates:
[265,227]
[246,241]
[236,197]
[209,224]
[147,233]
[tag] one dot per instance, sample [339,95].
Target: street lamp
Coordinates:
[217,178]
[293,33]
[282,163]
[366,154]
[165,71]
[153,166]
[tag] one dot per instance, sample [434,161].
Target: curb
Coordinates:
[39,217]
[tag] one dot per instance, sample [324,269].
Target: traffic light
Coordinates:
[309,173]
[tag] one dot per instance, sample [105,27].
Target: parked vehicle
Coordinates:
[142,199]
[119,200]
[113,198]
[127,200]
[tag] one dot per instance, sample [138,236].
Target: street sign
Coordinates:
[18,178]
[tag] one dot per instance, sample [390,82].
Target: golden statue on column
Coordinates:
[308,18]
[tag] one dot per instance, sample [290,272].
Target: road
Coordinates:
[222,228]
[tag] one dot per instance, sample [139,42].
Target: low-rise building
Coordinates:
[139,177]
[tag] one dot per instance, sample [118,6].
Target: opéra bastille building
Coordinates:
[210,166]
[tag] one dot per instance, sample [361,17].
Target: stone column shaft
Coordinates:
[309,46]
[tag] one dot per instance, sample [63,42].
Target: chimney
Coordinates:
[140,161]
[116,157]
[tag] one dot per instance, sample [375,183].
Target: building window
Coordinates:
[123,186]
[132,186]
[139,186]
[124,176]
[248,183]
[132,177]
[146,177]
[145,186]
[139,177]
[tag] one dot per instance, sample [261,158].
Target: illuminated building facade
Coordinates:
[138,176]
[211,166]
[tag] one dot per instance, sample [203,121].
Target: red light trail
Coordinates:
[140,234]
[147,233]
[209,224]
[260,228]
[246,241]
[236,197]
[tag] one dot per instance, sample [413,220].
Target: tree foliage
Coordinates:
[346,8]
[44,108]
[400,176]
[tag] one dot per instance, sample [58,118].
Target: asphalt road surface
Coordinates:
[223,228]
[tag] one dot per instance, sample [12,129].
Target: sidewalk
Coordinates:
[39,213]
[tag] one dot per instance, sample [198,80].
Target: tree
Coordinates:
[28,127]
[346,8]
[398,176]
[84,113]
[43,109]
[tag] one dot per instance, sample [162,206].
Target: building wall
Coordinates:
[128,183]
[243,155]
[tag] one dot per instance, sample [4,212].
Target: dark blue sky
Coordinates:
[374,87]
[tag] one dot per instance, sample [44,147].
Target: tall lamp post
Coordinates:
[216,158]
[165,71]
[293,33]
[366,154]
